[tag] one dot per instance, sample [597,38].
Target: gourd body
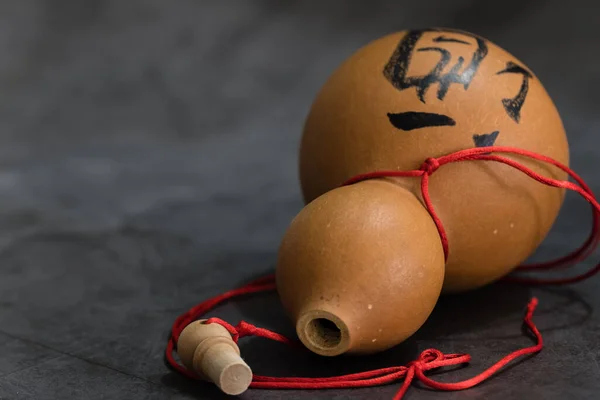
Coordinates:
[361,267]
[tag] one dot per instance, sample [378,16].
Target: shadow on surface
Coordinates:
[473,310]
[562,308]
[497,310]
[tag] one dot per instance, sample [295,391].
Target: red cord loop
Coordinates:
[244,329]
[431,358]
[235,333]
[428,360]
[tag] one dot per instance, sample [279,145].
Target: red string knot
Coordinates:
[234,331]
[430,165]
[245,329]
[431,359]
[426,358]
[239,331]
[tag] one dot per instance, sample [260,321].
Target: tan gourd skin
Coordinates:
[354,256]
[495,216]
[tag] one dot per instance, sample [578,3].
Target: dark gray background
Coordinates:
[148,156]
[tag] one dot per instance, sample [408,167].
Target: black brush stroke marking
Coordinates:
[485,140]
[407,121]
[442,38]
[396,69]
[513,106]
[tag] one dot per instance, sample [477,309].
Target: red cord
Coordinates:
[431,358]
[428,360]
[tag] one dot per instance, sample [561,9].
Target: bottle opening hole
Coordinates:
[323,333]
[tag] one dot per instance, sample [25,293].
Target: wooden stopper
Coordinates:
[209,351]
[192,335]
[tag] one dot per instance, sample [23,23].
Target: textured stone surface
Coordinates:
[149,152]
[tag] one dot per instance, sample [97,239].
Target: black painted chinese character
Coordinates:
[397,67]
[461,73]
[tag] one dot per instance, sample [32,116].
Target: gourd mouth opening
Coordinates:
[323,333]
